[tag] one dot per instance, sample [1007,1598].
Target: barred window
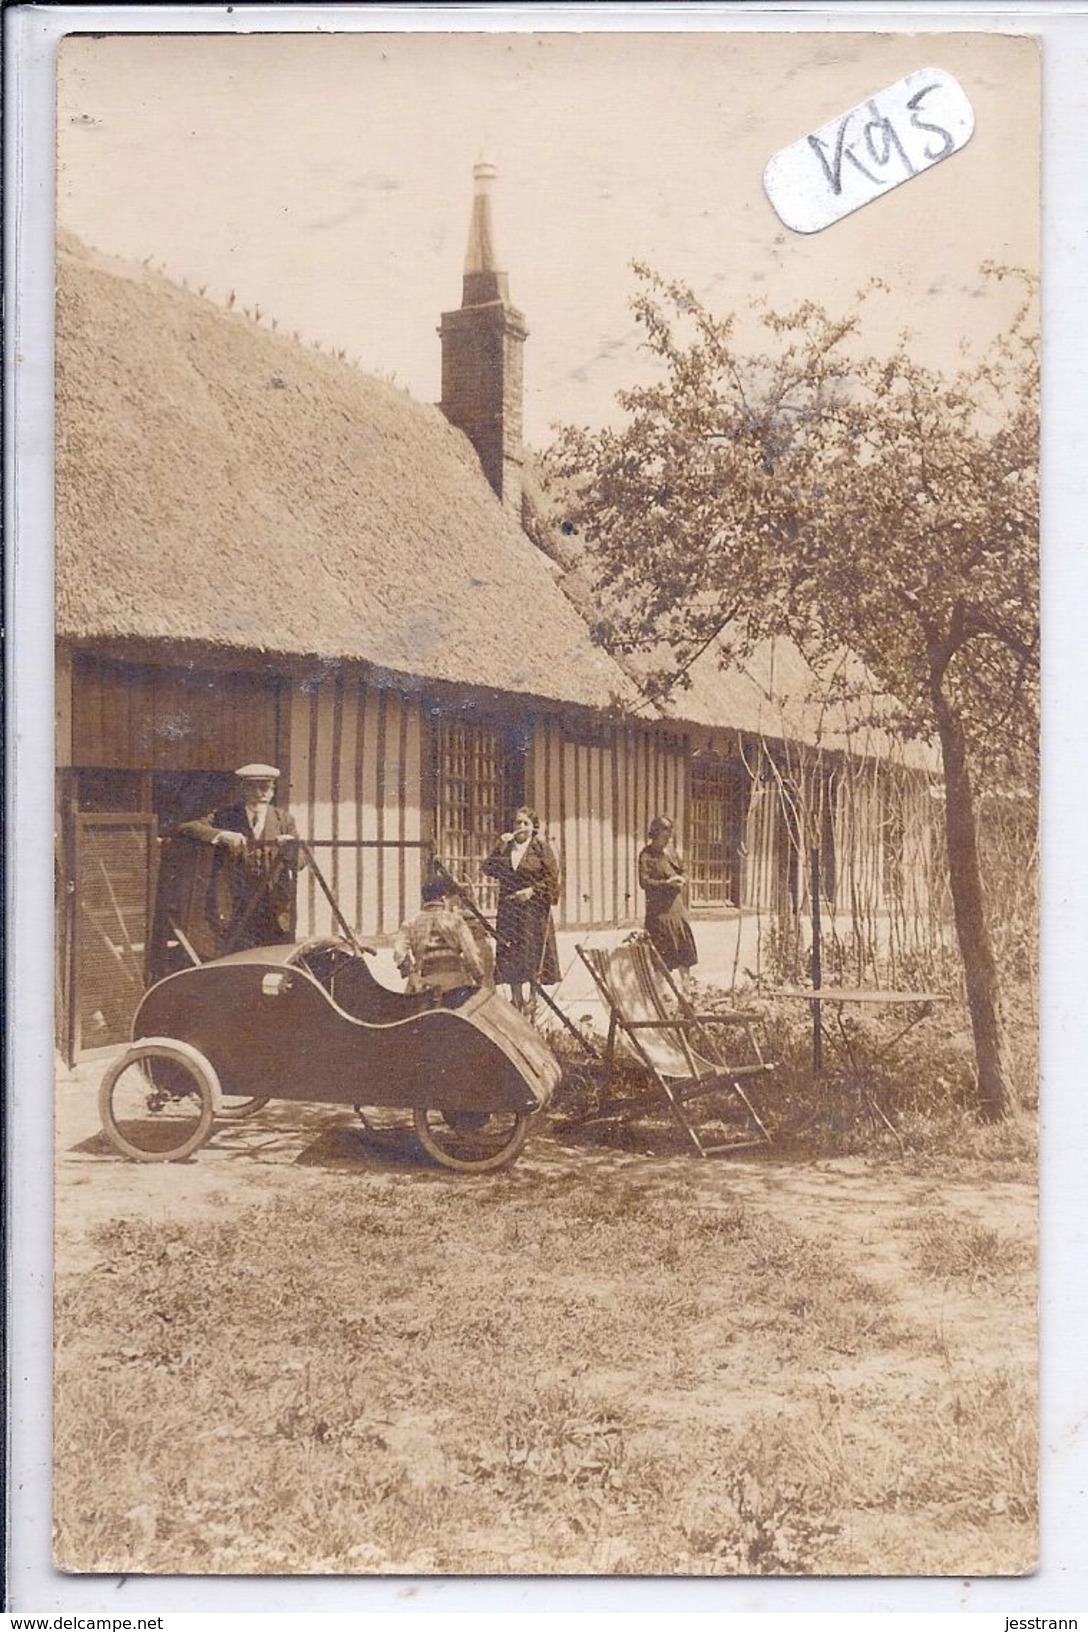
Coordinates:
[478,782]
[717,817]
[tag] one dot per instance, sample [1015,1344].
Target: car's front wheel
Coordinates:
[157,1101]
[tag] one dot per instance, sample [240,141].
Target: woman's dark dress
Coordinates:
[524,929]
[666,921]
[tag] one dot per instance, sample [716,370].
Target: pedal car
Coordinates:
[308,1022]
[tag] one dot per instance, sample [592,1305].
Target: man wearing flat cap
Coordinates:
[251,898]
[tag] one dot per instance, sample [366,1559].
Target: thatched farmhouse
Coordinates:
[262,553]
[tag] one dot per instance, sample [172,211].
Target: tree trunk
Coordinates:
[997,1096]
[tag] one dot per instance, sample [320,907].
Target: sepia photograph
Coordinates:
[546,978]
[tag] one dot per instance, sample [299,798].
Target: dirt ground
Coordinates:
[870,1212]
[863,1208]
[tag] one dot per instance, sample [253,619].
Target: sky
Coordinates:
[327,180]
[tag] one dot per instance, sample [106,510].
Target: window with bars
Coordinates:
[478,783]
[717,821]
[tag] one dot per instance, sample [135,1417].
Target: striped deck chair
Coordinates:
[684,1052]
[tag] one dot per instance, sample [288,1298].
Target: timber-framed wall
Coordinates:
[383,772]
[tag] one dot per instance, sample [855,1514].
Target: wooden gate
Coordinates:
[114,869]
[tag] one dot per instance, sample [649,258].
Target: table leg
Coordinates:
[870,1103]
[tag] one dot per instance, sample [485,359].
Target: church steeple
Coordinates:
[482,355]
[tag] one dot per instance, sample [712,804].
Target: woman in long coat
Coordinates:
[661,875]
[528,878]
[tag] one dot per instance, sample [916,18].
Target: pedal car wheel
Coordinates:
[235,1108]
[157,1102]
[471,1141]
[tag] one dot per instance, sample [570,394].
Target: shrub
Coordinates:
[874,1096]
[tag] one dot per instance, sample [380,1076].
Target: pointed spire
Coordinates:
[482,344]
[483,281]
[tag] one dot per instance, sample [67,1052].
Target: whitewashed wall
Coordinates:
[595,792]
[356,780]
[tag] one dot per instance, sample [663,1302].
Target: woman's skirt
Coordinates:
[672,937]
[526,947]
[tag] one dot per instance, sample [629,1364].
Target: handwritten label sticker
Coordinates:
[878,145]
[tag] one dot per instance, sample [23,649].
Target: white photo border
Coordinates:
[31,37]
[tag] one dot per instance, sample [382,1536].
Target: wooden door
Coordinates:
[115,861]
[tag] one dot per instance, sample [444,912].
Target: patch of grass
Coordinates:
[957,1142]
[862,1089]
[812,1309]
[763,1525]
[945,1248]
[976,1460]
[966,1448]
[982,1458]
[530,1372]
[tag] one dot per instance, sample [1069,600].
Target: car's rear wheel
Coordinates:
[157,1101]
[471,1141]
[236,1108]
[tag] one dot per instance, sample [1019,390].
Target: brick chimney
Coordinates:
[482,356]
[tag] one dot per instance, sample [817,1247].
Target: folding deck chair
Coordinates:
[651,1016]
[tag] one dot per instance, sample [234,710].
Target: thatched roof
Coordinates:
[774,693]
[223,485]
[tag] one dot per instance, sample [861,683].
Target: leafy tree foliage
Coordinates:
[852,502]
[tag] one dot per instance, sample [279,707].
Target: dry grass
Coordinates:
[954,1249]
[407,1374]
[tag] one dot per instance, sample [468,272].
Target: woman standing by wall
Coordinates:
[661,875]
[528,878]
